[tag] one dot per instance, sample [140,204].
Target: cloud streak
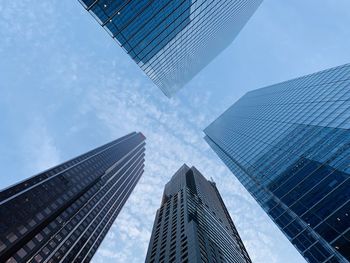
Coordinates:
[174,136]
[87,92]
[39,148]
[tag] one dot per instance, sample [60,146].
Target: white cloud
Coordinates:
[39,148]
[174,136]
[68,54]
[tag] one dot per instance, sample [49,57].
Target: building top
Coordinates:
[172,40]
[193,213]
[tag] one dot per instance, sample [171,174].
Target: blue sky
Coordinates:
[66,87]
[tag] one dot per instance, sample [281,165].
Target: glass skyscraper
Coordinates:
[63,214]
[289,145]
[172,40]
[193,224]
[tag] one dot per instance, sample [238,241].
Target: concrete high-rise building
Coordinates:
[289,145]
[172,40]
[63,214]
[193,224]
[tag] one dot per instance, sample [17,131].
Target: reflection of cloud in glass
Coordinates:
[289,144]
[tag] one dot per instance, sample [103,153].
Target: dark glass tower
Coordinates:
[289,145]
[172,40]
[63,214]
[193,224]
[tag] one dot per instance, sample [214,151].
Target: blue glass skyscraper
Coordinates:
[172,40]
[289,145]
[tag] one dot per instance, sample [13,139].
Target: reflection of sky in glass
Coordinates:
[173,40]
[289,145]
[84,90]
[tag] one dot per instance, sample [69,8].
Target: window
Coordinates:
[46,250]
[30,245]
[39,237]
[38,258]
[2,246]
[22,253]
[22,229]
[11,237]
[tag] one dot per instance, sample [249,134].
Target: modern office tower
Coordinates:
[289,145]
[193,224]
[63,214]
[172,40]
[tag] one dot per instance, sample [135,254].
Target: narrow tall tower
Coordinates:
[63,214]
[193,224]
[172,40]
[289,145]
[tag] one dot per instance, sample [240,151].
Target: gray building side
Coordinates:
[63,214]
[193,224]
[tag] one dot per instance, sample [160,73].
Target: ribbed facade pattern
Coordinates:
[193,224]
[172,40]
[63,214]
[289,145]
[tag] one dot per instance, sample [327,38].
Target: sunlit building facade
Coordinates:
[63,214]
[193,224]
[289,145]
[172,40]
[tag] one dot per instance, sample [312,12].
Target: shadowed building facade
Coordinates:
[172,40]
[63,214]
[289,145]
[193,224]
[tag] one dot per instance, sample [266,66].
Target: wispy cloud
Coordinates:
[85,88]
[38,147]
[174,136]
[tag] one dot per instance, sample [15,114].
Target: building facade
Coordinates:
[172,40]
[193,224]
[289,145]
[63,214]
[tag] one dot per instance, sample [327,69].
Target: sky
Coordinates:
[66,87]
